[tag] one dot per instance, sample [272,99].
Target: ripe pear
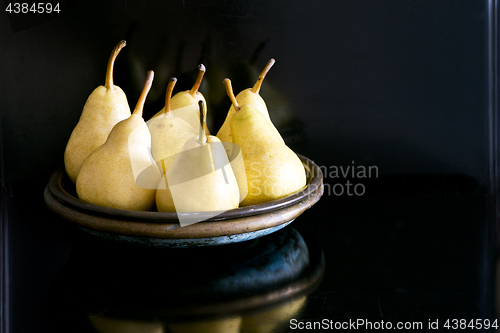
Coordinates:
[235,107]
[216,325]
[268,321]
[122,173]
[104,324]
[190,98]
[247,96]
[105,107]
[168,133]
[200,179]
[273,170]
[238,166]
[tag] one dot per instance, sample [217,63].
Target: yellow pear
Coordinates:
[235,157]
[247,96]
[168,133]
[190,98]
[122,173]
[222,325]
[273,170]
[268,321]
[115,325]
[105,107]
[200,179]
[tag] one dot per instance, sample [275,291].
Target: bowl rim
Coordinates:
[314,181]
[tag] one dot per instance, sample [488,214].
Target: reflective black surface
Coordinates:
[414,257]
[230,284]
[402,85]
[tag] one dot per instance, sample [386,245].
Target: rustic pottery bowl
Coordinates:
[160,229]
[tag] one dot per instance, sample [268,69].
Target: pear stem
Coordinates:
[230,93]
[197,83]
[142,98]
[203,119]
[262,75]
[111,64]
[168,97]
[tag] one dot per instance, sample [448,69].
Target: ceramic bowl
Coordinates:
[160,229]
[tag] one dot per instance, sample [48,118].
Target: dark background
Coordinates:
[400,85]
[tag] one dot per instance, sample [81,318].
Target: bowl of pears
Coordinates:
[167,182]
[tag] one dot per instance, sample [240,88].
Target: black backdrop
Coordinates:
[397,84]
[400,85]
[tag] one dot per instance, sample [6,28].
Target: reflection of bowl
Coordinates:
[159,229]
[243,284]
